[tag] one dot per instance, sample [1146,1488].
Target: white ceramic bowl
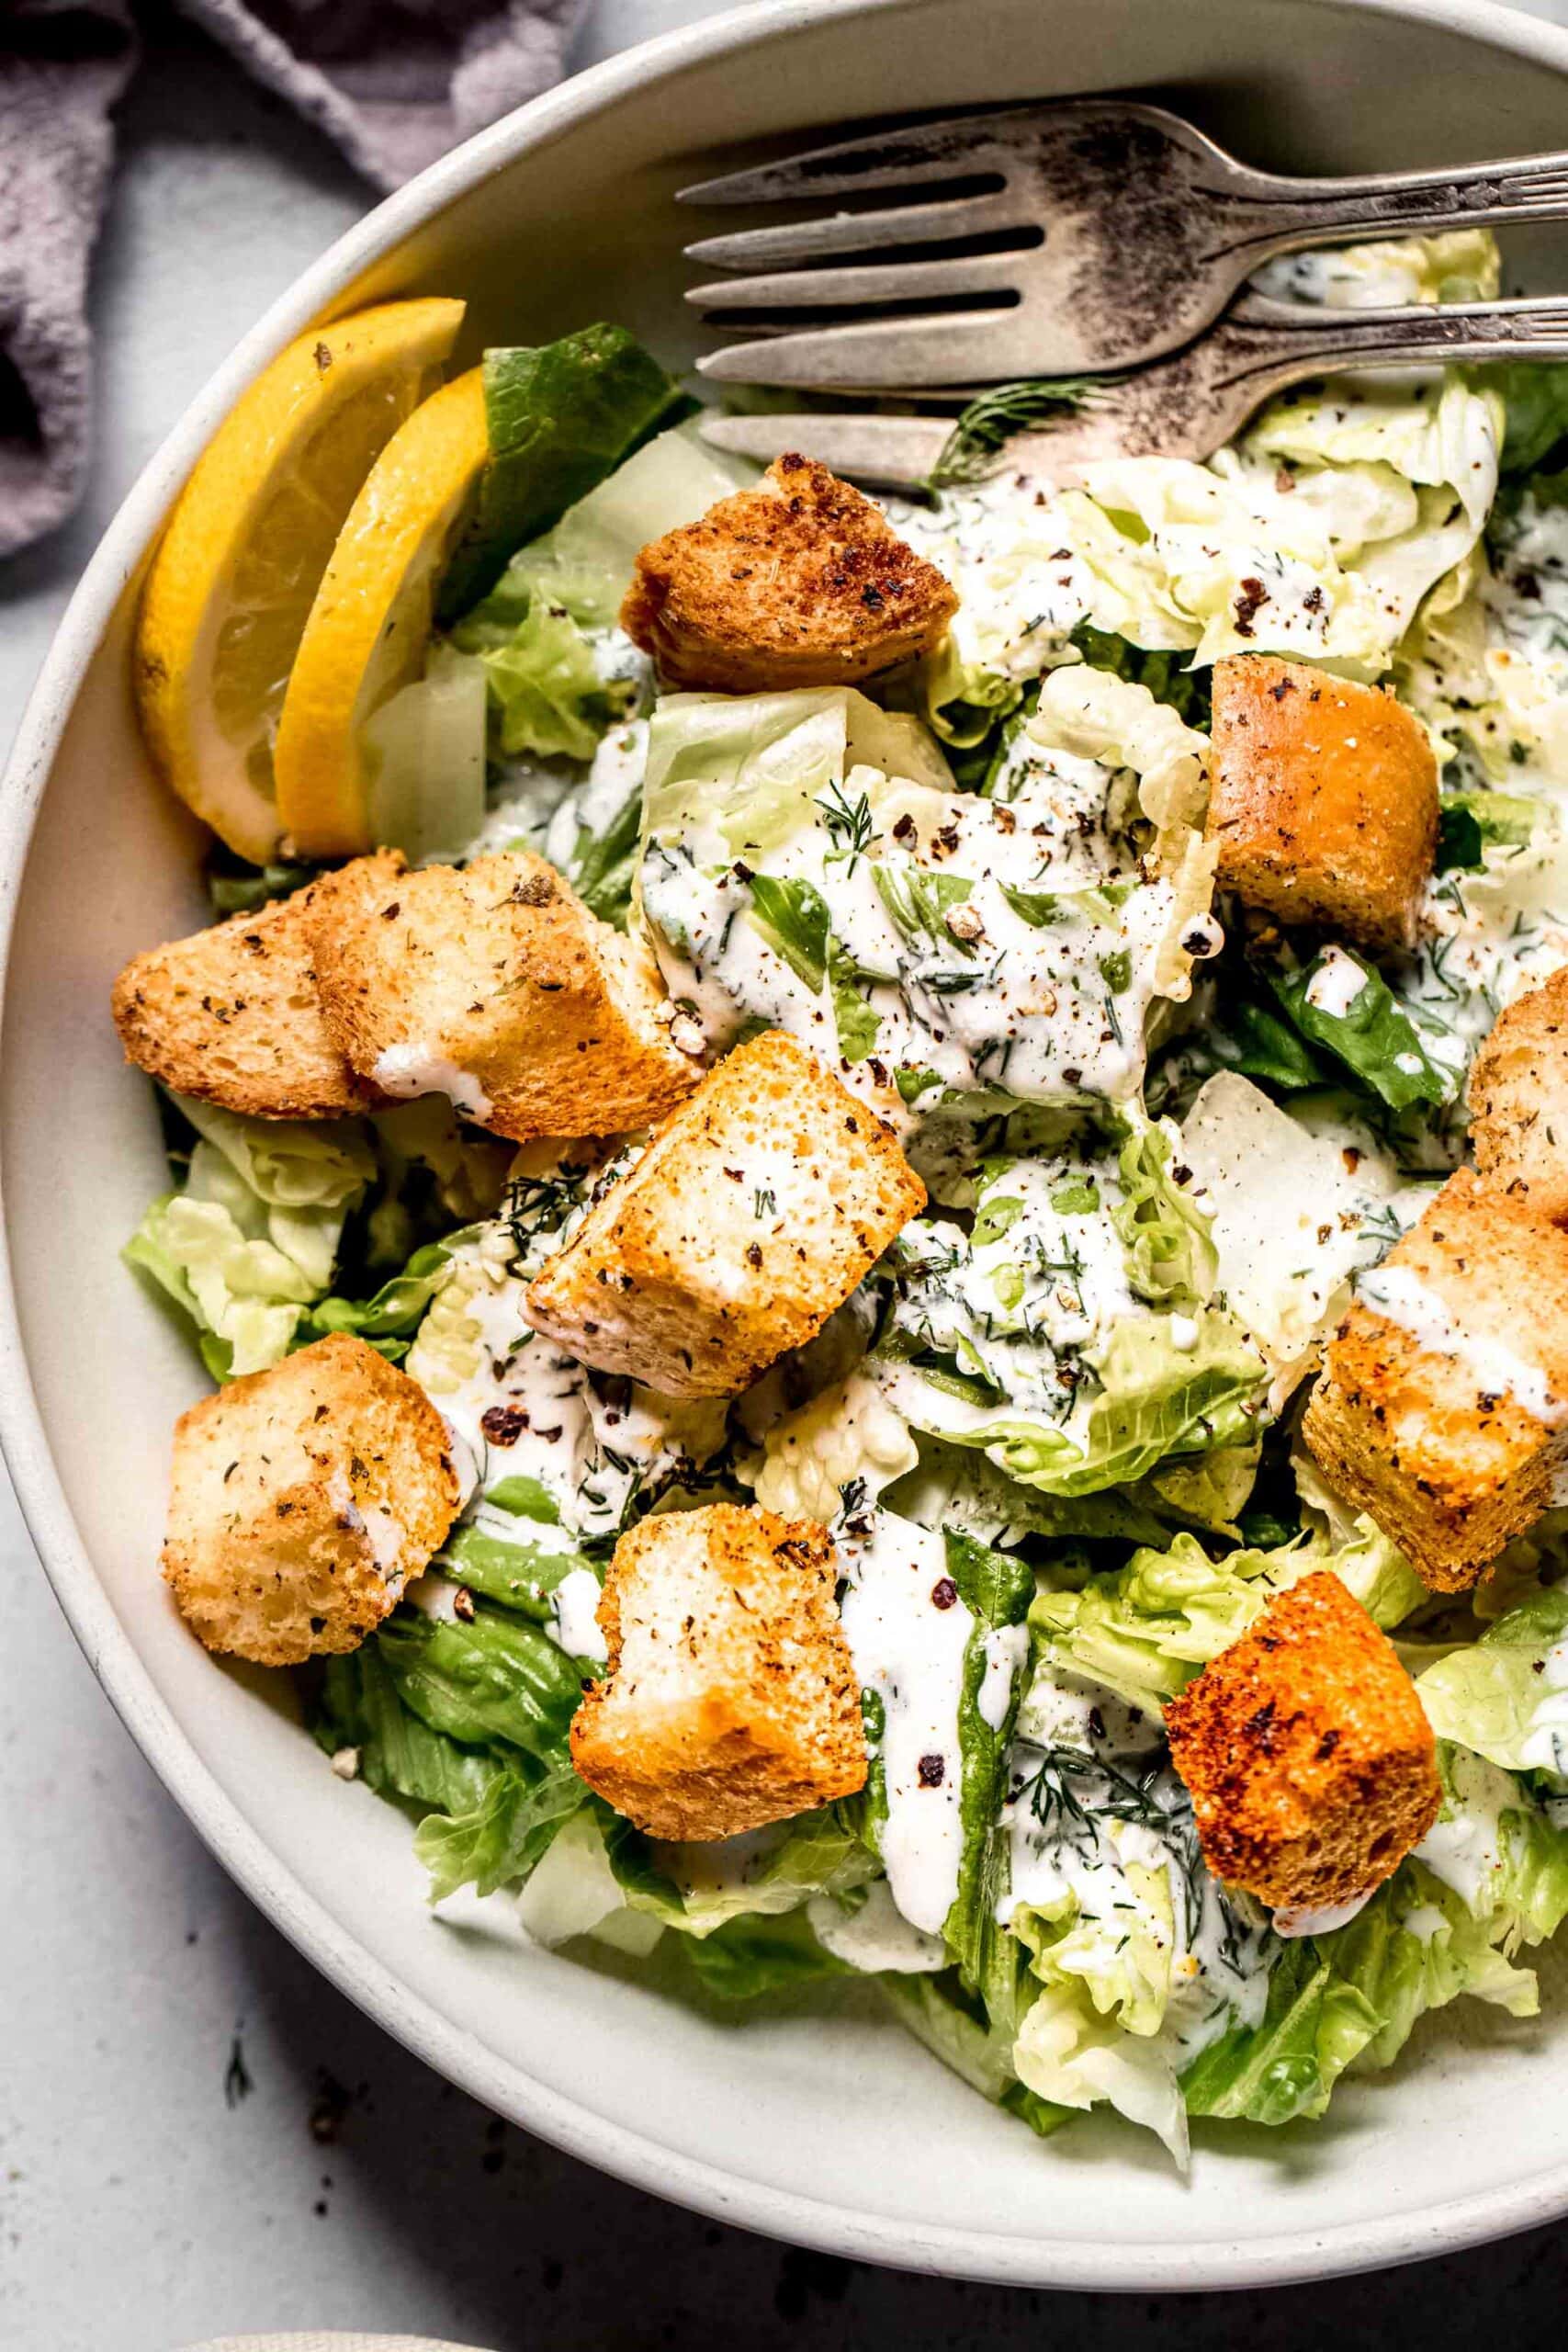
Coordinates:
[824,2124]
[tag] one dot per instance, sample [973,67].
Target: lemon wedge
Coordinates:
[234,581]
[369,626]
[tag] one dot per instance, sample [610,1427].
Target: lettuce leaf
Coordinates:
[1375,1037]
[698,1888]
[1350,1999]
[424,753]
[1469,824]
[1147,1630]
[250,1240]
[491,1811]
[752,1956]
[502,1839]
[996,1587]
[395,1751]
[492,1679]
[1504,1696]
[1535,404]
[546,693]
[585,564]
[1318,2021]
[953,2027]
[849,1436]
[1155,1398]
[560,417]
[1167,675]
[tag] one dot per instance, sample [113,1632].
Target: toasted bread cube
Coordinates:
[232,1014]
[304,1498]
[1323,799]
[1311,1763]
[1442,1408]
[731,1698]
[1518,1100]
[496,986]
[752,1216]
[798,581]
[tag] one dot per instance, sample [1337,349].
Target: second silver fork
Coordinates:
[1063,238]
[1187,405]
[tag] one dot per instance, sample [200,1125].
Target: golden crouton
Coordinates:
[497,987]
[752,1216]
[1310,1762]
[798,581]
[1323,799]
[304,1498]
[232,1014]
[1518,1100]
[731,1698]
[1442,1408]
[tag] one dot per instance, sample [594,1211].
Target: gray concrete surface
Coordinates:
[198,2136]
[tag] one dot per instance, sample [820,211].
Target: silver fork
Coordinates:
[1187,405]
[1053,239]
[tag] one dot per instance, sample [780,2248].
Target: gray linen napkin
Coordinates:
[394,82]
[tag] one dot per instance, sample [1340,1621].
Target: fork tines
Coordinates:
[919,317]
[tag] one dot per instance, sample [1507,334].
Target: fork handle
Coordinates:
[1295,213]
[1266,345]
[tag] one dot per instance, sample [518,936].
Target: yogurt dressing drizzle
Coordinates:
[1401,1297]
[909,1632]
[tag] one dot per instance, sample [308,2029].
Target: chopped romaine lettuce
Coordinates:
[1145,1631]
[808,866]
[1505,1696]
[560,417]
[1368,1030]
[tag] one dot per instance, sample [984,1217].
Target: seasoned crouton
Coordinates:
[497,987]
[1310,1762]
[304,1498]
[752,1216]
[1518,1100]
[232,1014]
[731,1698]
[798,581]
[1323,799]
[1443,1404]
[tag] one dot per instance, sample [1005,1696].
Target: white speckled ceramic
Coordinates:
[825,2124]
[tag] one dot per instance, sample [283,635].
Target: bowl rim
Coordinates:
[1278,2257]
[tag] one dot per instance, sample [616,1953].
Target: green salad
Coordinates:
[1162,1145]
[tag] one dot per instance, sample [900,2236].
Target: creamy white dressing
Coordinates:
[1087,1854]
[435,1597]
[422,1068]
[1487,936]
[574,1609]
[1021,1304]
[1061,1709]
[614,777]
[1298,1920]
[875,1938]
[1042,996]
[1545,1746]
[1464,1846]
[1030,1290]
[1335,983]
[1424,1922]
[1007,1648]
[1294,1213]
[909,1632]
[522,1408]
[1398,1294]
